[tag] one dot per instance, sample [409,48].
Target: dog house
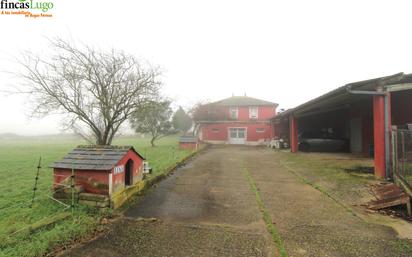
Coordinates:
[102,174]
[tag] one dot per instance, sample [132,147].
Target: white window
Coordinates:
[233,112]
[215,130]
[260,130]
[253,112]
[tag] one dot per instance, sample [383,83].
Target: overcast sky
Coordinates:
[282,51]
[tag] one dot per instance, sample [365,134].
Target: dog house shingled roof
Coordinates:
[94,157]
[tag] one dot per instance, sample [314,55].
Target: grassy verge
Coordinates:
[18,161]
[322,190]
[266,216]
[340,177]
[333,174]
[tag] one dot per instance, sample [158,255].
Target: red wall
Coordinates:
[222,135]
[264,112]
[118,179]
[252,135]
[93,181]
[188,146]
[209,134]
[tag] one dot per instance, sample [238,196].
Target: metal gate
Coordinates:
[402,155]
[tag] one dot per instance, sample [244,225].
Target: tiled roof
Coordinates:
[188,139]
[93,157]
[243,101]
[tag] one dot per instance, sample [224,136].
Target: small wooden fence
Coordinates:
[402,156]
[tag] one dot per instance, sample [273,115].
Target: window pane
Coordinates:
[233,112]
[241,133]
[253,112]
[260,130]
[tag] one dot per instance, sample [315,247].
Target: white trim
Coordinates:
[237,112]
[228,133]
[399,87]
[215,142]
[221,142]
[257,112]
[110,183]
[204,122]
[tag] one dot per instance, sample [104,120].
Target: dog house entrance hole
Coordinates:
[128,176]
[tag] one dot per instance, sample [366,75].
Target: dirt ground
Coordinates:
[208,208]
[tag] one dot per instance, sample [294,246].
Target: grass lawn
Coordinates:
[18,162]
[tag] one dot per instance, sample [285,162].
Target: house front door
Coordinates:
[237,136]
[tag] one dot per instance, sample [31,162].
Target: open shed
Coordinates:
[101,170]
[361,113]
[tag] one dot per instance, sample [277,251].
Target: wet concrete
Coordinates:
[207,208]
[311,223]
[212,189]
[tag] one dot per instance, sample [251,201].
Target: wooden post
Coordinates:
[72,189]
[394,158]
[35,182]
[403,151]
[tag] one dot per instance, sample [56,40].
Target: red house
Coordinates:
[107,171]
[237,120]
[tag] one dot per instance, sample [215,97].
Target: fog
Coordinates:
[281,51]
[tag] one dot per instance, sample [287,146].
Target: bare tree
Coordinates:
[208,112]
[96,90]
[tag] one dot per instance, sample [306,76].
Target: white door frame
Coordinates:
[229,137]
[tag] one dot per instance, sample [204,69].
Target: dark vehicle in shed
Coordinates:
[322,141]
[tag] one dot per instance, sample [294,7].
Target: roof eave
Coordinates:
[368,85]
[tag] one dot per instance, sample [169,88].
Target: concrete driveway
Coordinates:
[210,207]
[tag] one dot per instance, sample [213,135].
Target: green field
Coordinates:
[18,161]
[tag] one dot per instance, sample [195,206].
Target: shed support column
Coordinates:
[379,135]
[293,126]
[388,136]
